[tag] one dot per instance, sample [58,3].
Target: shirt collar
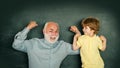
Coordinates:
[51,45]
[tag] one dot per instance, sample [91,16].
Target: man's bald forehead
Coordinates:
[51,23]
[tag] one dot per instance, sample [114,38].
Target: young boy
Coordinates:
[89,43]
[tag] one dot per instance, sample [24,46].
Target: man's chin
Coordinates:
[52,41]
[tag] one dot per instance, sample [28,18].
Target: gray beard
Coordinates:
[47,37]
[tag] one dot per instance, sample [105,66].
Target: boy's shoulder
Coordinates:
[82,36]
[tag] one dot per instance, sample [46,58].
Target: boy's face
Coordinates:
[87,30]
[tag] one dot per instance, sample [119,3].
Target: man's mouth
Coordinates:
[52,38]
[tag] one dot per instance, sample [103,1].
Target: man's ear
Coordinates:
[43,31]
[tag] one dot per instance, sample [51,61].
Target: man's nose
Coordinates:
[54,33]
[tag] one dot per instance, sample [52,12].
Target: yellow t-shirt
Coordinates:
[89,51]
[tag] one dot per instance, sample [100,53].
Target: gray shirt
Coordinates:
[42,54]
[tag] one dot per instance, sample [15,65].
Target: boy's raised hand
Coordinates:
[103,38]
[74,29]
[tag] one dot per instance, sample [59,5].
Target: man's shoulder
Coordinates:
[36,39]
[61,41]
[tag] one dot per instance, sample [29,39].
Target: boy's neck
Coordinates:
[91,34]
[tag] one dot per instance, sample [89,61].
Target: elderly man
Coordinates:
[47,52]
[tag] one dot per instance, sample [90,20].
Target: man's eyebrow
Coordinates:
[51,29]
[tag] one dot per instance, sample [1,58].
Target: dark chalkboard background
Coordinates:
[16,14]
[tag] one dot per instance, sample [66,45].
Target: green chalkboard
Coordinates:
[15,15]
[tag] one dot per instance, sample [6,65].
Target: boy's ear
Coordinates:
[93,31]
